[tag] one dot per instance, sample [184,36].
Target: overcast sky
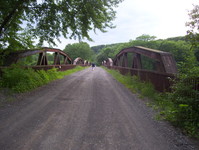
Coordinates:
[160,18]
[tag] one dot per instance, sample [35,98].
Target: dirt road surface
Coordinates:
[88,110]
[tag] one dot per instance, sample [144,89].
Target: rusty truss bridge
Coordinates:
[130,61]
[61,60]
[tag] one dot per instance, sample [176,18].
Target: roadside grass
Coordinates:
[180,115]
[22,80]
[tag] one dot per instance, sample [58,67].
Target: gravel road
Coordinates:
[87,110]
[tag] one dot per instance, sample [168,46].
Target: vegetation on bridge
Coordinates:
[22,80]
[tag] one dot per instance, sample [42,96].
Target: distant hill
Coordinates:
[178,38]
[97,48]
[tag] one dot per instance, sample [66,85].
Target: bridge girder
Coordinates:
[164,61]
[80,61]
[42,60]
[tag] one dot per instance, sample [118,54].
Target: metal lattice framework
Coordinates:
[164,61]
[108,62]
[14,57]
[80,61]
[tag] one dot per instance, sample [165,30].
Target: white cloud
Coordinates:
[161,18]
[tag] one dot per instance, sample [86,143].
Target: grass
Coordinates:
[144,89]
[171,107]
[22,80]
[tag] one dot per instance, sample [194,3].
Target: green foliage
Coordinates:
[146,37]
[180,107]
[48,20]
[193,24]
[110,51]
[12,34]
[145,89]
[97,49]
[81,49]
[22,80]
[179,48]
[185,97]
[104,54]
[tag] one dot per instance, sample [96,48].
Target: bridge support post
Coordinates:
[65,60]
[137,63]
[159,66]
[42,60]
[57,59]
[119,61]
[125,60]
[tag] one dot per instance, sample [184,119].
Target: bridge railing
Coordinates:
[161,81]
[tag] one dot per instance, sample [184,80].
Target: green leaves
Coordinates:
[81,49]
[48,20]
[22,80]
[146,37]
[193,24]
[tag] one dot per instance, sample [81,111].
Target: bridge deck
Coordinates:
[88,110]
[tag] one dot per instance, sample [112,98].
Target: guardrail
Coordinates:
[161,81]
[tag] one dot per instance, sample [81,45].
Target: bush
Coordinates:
[22,80]
[186,101]
[180,107]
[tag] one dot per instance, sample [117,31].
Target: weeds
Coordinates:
[179,107]
[22,80]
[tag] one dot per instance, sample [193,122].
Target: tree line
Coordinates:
[178,46]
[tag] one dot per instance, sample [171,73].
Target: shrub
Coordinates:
[21,80]
[180,107]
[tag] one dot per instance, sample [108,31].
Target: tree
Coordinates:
[145,37]
[193,32]
[107,52]
[193,24]
[49,19]
[81,49]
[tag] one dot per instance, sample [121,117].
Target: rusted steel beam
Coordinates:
[159,67]
[65,60]
[165,60]
[42,60]
[108,62]
[57,59]
[161,81]
[78,61]
[118,61]
[124,60]
[59,67]
[137,63]
[151,53]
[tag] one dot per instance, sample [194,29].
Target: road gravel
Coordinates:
[88,110]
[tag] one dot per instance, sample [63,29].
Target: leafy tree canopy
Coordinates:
[146,37]
[46,20]
[177,46]
[193,24]
[81,49]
